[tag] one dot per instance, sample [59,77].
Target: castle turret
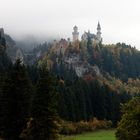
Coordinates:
[99,38]
[75,33]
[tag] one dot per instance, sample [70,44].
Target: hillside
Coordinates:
[91,80]
[119,60]
[4,59]
[91,76]
[94,79]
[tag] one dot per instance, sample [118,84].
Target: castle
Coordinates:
[68,52]
[61,46]
[87,35]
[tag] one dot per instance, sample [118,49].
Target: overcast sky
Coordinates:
[119,19]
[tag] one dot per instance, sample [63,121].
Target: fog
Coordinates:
[52,19]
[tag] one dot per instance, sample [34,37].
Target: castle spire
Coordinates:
[98,26]
[99,32]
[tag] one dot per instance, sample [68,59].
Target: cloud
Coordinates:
[119,18]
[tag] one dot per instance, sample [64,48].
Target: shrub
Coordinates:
[69,128]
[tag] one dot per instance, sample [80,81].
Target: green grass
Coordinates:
[98,135]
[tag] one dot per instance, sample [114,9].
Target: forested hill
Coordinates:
[88,81]
[118,60]
[94,79]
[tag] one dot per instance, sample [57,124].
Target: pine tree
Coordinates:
[45,119]
[2,105]
[90,51]
[16,99]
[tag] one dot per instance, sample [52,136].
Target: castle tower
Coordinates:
[75,33]
[99,38]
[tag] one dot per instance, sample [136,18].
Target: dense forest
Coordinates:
[35,100]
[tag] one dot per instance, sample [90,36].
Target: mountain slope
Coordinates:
[119,60]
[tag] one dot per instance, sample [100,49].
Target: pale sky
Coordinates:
[119,19]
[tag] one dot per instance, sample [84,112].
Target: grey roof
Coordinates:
[90,35]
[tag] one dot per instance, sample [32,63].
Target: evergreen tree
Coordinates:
[2,105]
[16,99]
[90,51]
[5,62]
[45,119]
[62,107]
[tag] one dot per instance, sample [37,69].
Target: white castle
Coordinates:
[60,47]
[87,35]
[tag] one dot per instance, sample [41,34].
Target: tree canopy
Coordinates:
[129,126]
